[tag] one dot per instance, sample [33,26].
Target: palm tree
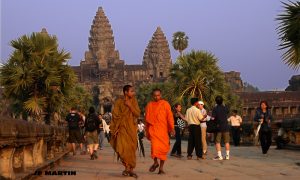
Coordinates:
[196,74]
[289,32]
[144,93]
[180,42]
[36,77]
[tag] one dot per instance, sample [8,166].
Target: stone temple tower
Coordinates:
[101,42]
[157,57]
[102,70]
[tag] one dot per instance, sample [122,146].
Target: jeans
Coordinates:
[177,146]
[101,138]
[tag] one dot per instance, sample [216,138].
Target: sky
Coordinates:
[240,33]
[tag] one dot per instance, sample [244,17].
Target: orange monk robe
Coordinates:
[123,130]
[159,122]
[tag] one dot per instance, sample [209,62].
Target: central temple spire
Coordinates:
[101,41]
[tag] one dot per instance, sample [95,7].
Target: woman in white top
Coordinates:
[104,130]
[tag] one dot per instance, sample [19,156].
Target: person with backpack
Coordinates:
[73,119]
[91,125]
[82,130]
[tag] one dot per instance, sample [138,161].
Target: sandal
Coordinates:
[132,174]
[153,167]
[161,172]
[125,173]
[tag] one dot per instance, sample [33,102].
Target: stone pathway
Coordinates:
[245,163]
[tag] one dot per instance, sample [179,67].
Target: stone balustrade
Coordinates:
[26,146]
[293,128]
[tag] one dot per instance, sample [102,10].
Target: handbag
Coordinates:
[180,123]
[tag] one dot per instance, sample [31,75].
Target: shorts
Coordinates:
[75,136]
[92,137]
[224,135]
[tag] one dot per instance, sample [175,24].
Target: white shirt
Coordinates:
[203,124]
[105,126]
[235,120]
[193,115]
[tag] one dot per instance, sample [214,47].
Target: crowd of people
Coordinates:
[125,132]
[89,131]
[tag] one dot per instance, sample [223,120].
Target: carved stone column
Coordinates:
[6,165]
[38,157]
[28,157]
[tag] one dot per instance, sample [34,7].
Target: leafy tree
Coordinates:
[289,33]
[197,74]
[36,77]
[180,41]
[144,93]
[81,99]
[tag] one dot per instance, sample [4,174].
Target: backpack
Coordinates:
[73,121]
[91,124]
[212,126]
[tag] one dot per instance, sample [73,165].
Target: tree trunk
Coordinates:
[181,53]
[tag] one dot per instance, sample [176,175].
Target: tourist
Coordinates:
[73,119]
[235,122]
[141,134]
[263,117]
[159,123]
[123,129]
[194,118]
[92,123]
[178,117]
[104,129]
[220,115]
[203,127]
[107,116]
[82,130]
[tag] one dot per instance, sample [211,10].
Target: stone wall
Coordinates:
[26,146]
[284,105]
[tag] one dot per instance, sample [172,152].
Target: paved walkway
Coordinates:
[245,163]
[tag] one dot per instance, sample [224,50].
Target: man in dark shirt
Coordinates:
[75,136]
[220,114]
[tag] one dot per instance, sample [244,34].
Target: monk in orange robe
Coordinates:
[123,129]
[159,123]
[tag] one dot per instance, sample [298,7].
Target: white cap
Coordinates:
[201,102]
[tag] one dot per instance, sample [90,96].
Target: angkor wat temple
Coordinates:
[102,69]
